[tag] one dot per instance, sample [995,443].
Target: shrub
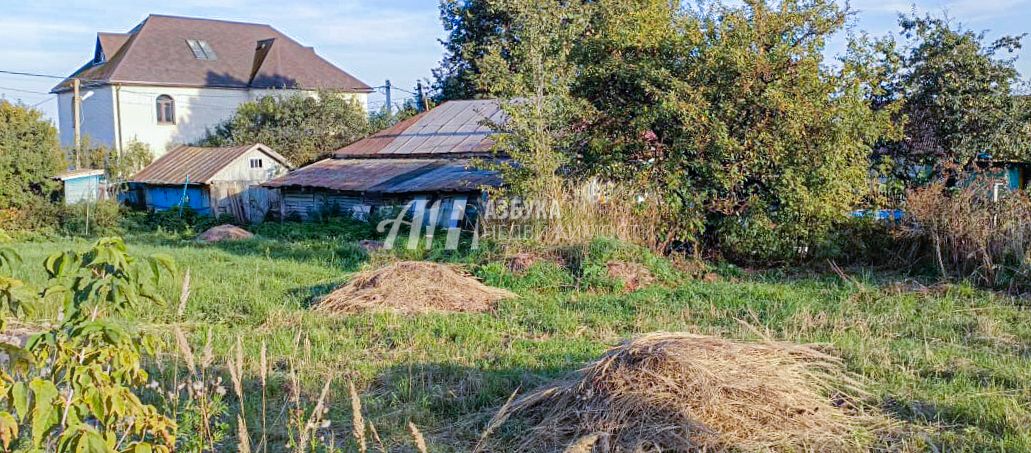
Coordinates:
[29,157]
[301,128]
[967,235]
[75,386]
[102,218]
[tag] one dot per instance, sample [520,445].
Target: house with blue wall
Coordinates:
[210,181]
[83,186]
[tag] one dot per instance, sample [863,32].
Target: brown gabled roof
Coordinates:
[389,176]
[195,165]
[452,129]
[156,52]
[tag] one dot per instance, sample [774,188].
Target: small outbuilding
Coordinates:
[427,158]
[211,181]
[85,185]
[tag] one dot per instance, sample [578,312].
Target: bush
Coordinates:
[29,157]
[967,235]
[301,128]
[102,218]
[186,221]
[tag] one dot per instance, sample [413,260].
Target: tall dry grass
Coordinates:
[969,233]
[576,212]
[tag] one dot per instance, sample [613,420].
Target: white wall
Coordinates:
[240,169]
[196,110]
[97,120]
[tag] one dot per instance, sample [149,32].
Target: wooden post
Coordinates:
[390,107]
[422,98]
[76,120]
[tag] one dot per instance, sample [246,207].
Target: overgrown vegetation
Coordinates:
[967,235]
[945,359]
[29,157]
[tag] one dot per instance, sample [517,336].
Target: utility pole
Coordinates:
[76,119]
[390,107]
[425,103]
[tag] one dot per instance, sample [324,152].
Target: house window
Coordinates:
[166,109]
[256,163]
[201,49]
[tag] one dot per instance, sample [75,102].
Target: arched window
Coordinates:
[166,109]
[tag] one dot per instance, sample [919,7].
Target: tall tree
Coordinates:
[301,128]
[533,72]
[473,27]
[730,114]
[960,100]
[29,157]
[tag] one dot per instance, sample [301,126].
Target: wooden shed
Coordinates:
[427,158]
[211,181]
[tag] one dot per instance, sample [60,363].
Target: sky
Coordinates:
[374,40]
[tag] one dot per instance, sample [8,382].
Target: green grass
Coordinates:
[954,363]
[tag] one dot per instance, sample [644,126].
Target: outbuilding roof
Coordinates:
[389,176]
[452,129]
[76,174]
[196,165]
[194,52]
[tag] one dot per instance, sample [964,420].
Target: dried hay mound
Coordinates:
[224,233]
[413,287]
[633,275]
[684,392]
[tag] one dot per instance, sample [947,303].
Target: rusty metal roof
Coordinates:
[195,164]
[389,176]
[452,129]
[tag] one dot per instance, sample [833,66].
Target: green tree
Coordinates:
[732,117]
[533,72]
[473,27]
[301,128]
[960,102]
[29,157]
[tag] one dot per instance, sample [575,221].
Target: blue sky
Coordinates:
[374,40]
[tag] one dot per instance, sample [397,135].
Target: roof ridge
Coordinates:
[208,19]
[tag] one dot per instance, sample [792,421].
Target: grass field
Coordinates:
[951,361]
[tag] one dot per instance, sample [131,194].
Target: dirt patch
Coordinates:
[685,392]
[413,287]
[633,275]
[224,233]
[370,245]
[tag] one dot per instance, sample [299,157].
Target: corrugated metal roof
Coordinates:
[196,163]
[73,174]
[389,176]
[452,129]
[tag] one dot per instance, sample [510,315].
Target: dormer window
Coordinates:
[165,109]
[201,49]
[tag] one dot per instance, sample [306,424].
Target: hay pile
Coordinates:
[413,287]
[684,392]
[224,233]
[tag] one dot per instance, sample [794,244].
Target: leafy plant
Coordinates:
[301,128]
[75,386]
[29,157]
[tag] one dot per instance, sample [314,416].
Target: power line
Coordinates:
[21,90]
[31,74]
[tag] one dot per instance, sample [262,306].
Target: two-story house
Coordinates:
[169,79]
